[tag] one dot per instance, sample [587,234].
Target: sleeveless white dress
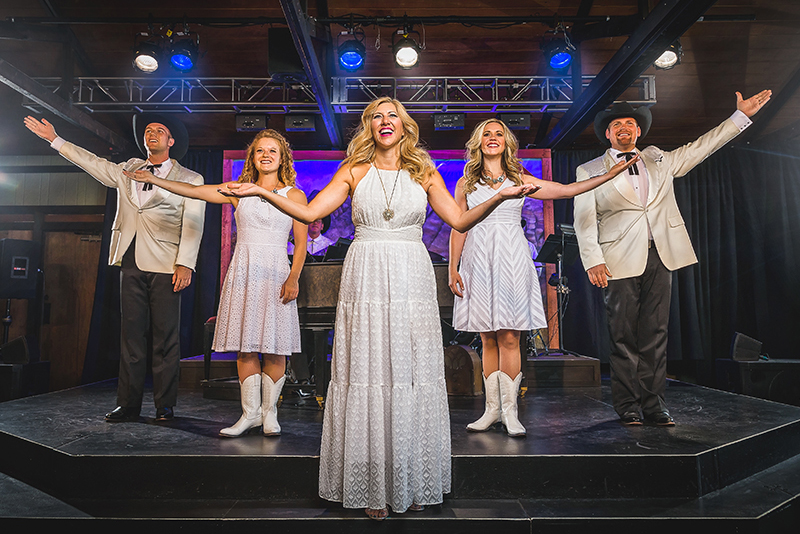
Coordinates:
[386,429]
[251,316]
[501,285]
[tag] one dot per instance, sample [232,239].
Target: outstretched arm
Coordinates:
[554,190]
[207,192]
[329,199]
[462,220]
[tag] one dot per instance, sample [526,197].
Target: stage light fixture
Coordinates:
[147,56]
[559,54]
[670,57]
[352,54]
[406,52]
[183,54]
[558,49]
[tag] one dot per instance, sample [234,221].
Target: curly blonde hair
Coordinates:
[286,173]
[413,158]
[473,169]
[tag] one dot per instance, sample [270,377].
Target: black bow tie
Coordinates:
[149,168]
[633,169]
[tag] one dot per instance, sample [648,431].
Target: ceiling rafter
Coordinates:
[665,23]
[298,26]
[23,84]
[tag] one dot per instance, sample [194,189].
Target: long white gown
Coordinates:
[501,285]
[386,429]
[251,316]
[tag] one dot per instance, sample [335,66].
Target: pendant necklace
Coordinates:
[388,213]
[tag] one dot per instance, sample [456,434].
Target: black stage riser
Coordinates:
[780,521]
[494,477]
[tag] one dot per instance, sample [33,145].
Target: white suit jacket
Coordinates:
[168,227]
[611,222]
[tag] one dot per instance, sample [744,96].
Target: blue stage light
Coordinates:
[560,60]
[558,53]
[352,55]
[183,54]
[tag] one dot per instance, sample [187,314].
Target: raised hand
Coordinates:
[751,106]
[42,128]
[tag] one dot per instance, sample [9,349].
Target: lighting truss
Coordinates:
[528,94]
[349,94]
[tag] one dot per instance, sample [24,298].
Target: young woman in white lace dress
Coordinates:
[497,287]
[257,309]
[386,437]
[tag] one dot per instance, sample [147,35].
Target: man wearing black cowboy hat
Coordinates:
[155,240]
[631,236]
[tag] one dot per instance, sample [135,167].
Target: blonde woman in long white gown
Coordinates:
[386,437]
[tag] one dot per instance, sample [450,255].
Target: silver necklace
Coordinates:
[499,180]
[388,213]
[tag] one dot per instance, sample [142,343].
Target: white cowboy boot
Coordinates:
[509,390]
[250,389]
[270,392]
[491,415]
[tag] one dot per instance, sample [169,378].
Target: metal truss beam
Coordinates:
[484,94]
[666,22]
[39,94]
[192,95]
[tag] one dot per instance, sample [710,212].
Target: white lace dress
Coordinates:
[251,316]
[386,430]
[501,285]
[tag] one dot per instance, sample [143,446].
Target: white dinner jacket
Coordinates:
[611,222]
[168,227]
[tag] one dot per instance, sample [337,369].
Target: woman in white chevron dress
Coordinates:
[386,429]
[496,285]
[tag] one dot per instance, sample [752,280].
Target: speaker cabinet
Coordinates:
[19,265]
[775,380]
[283,61]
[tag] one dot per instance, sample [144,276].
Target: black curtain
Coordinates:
[742,211]
[198,301]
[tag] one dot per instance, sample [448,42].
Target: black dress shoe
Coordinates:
[660,419]
[164,414]
[630,418]
[121,413]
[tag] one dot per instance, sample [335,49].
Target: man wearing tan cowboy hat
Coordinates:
[155,240]
[631,236]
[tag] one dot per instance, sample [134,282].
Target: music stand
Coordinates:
[561,250]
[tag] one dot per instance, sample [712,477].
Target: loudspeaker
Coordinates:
[19,265]
[283,61]
[745,349]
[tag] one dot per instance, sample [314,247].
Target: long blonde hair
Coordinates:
[473,169]
[286,173]
[413,158]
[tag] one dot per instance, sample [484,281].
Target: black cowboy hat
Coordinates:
[326,221]
[176,129]
[619,110]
